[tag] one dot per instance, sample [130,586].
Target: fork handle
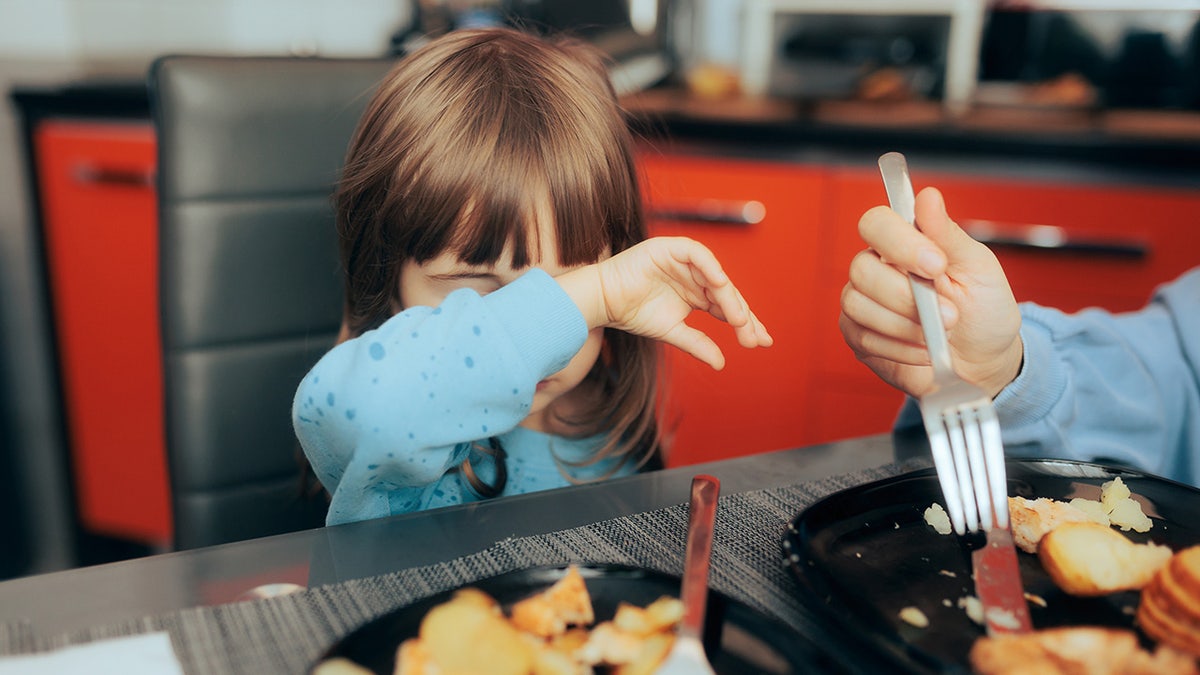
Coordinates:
[702,516]
[898,185]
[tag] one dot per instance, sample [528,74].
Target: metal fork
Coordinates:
[960,420]
[687,656]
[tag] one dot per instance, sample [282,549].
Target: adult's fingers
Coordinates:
[871,315]
[936,224]
[901,244]
[878,282]
[881,283]
[870,345]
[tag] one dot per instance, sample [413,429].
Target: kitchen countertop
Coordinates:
[1157,145]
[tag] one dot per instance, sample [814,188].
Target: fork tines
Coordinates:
[969,455]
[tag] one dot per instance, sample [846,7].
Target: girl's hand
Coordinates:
[651,288]
[879,318]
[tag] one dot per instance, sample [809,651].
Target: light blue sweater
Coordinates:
[1097,386]
[386,418]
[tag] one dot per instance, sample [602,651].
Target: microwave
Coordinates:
[819,49]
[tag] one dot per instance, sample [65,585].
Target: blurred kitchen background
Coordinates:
[1081,55]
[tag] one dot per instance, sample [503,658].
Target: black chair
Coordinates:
[249,149]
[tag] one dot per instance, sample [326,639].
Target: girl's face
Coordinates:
[429,283]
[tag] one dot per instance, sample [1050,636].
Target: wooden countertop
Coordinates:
[1162,139]
[1179,125]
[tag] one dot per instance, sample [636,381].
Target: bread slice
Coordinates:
[1089,559]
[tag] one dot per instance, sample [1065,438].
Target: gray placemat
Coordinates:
[286,634]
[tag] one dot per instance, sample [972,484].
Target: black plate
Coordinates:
[865,553]
[738,639]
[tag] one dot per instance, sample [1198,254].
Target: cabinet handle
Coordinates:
[106,175]
[1051,238]
[713,211]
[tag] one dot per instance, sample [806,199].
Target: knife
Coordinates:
[998,585]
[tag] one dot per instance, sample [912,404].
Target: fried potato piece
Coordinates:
[1169,611]
[549,633]
[412,658]
[339,666]
[1123,510]
[653,652]
[468,636]
[662,614]
[609,645]
[1089,559]
[1113,492]
[549,613]
[1086,650]
[1033,518]
[547,660]
[1094,509]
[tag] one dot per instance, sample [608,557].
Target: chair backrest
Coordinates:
[249,150]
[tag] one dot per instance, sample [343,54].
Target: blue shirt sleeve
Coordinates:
[383,416]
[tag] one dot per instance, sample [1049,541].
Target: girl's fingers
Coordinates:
[697,344]
[727,304]
[700,259]
[753,334]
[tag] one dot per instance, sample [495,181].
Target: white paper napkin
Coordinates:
[149,654]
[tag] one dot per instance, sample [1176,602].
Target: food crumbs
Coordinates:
[973,607]
[938,519]
[1036,599]
[914,616]
[857,554]
[948,573]
[1003,618]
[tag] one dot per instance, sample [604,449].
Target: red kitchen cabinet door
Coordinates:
[848,399]
[1118,241]
[1130,239]
[757,402]
[101,243]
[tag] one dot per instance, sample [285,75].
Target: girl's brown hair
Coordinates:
[463,140]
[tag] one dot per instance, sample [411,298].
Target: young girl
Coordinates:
[500,311]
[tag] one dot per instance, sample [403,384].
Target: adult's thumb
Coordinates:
[935,223]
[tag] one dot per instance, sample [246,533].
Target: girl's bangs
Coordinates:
[506,210]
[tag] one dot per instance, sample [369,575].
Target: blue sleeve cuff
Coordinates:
[540,316]
[1043,378]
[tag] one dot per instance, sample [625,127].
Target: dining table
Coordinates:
[276,604]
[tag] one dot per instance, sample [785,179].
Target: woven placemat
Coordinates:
[286,634]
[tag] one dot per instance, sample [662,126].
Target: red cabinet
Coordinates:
[762,221]
[1065,244]
[101,243]
[1114,244]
